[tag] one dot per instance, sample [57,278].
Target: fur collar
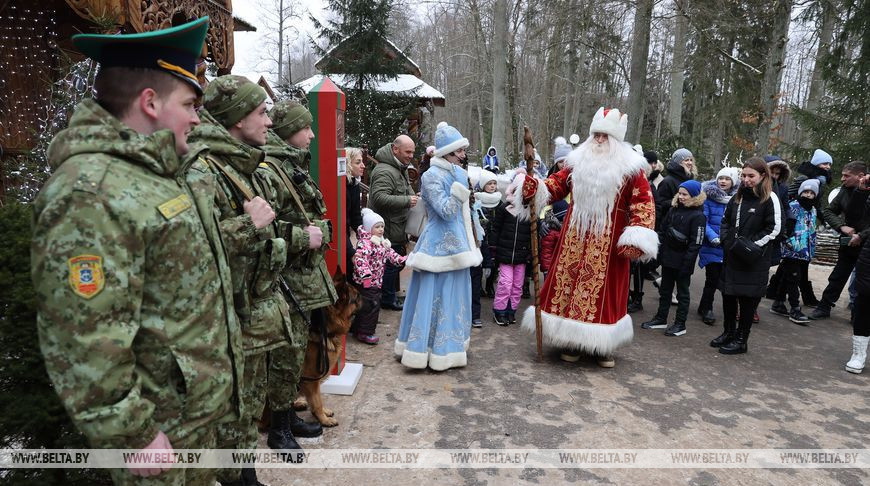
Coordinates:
[441,163]
[711,188]
[693,202]
[488,200]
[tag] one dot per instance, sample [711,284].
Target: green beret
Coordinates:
[230,98]
[288,117]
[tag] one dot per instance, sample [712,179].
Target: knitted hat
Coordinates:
[230,98]
[729,172]
[609,121]
[821,157]
[770,158]
[370,219]
[448,139]
[288,117]
[486,177]
[651,156]
[692,186]
[680,155]
[562,149]
[809,185]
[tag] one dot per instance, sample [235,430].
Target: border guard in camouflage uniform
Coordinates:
[299,204]
[234,128]
[135,316]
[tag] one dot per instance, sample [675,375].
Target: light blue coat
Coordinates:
[447,241]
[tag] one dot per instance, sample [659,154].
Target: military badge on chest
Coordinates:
[86,275]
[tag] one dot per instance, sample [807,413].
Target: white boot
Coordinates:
[859,354]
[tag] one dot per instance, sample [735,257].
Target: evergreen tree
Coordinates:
[840,125]
[33,417]
[373,118]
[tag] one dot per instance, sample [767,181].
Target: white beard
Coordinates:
[599,172]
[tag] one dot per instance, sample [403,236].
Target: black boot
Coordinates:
[280,436]
[490,283]
[301,428]
[726,337]
[738,345]
[249,477]
[708,317]
[635,302]
[526,292]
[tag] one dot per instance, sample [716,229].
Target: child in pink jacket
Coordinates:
[372,252]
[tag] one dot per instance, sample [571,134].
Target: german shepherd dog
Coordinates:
[338,318]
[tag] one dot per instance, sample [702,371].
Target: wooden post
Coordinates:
[529,156]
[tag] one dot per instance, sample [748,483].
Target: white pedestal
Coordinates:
[344,383]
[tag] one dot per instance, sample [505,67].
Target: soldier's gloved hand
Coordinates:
[159,444]
[260,212]
[315,236]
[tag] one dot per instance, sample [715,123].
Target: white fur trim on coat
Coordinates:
[459,191]
[642,238]
[589,337]
[448,263]
[417,360]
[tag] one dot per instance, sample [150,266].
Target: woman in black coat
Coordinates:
[355,169]
[752,221]
[861,313]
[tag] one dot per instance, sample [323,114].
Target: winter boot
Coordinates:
[859,354]
[822,311]
[798,317]
[635,302]
[280,436]
[726,337]
[708,317]
[778,307]
[738,345]
[249,477]
[512,317]
[606,361]
[526,292]
[500,318]
[301,428]
[490,283]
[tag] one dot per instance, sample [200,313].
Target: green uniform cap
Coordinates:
[288,117]
[174,50]
[230,98]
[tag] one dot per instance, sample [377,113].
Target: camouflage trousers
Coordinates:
[285,366]
[204,438]
[243,434]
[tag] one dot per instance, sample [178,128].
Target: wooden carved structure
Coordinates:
[35,46]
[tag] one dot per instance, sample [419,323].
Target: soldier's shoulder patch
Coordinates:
[175,206]
[86,275]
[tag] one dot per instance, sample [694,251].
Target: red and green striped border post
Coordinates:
[326,102]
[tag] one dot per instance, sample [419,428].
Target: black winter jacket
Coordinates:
[862,267]
[689,220]
[667,189]
[511,238]
[810,171]
[848,209]
[761,223]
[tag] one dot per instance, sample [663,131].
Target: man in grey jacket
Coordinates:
[391,196]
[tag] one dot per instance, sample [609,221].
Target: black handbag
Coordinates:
[742,247]
[676,239]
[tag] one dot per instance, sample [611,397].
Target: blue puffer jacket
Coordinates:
[714,209]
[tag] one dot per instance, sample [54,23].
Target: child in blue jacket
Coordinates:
[718,192]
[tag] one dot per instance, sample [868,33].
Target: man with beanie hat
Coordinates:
[848,215]
[391,195]
[302,220]
[235,127]
[610,222]
[134,312]
[798,246]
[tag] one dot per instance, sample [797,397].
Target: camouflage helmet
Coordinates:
[230,98]
[288,117]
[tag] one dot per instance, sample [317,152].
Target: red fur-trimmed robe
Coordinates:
[585,294]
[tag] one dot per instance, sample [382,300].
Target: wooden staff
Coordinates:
[529,156]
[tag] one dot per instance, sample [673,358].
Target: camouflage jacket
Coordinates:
[135,318]
[306,270]
[257,257]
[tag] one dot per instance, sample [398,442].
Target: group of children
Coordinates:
[692,229]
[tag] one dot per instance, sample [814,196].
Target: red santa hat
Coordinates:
[609,121]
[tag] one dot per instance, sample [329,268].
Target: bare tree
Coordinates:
[499,75]
[278,17]
[639,59]
[675,111]
[773,72]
